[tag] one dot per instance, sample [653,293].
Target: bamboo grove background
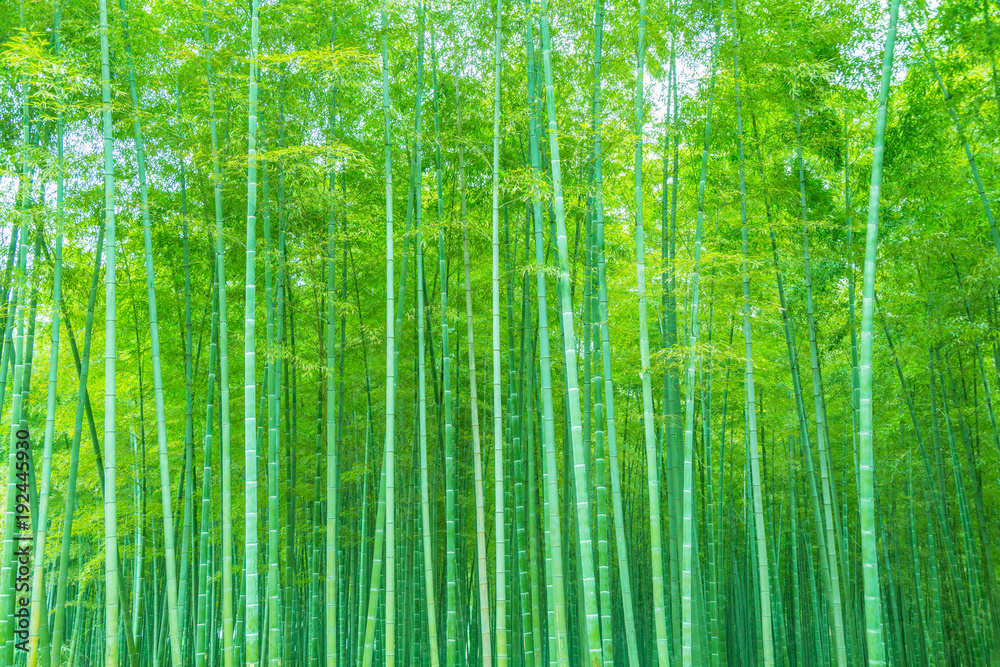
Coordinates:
[594,334]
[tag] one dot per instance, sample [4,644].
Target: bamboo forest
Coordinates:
[520,333]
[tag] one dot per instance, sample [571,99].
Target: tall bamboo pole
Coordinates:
[110,509]
[332,454]
[580,482]
[869,556]
[498,460]
[390,376]
[252,628]
[763,578]
[649,434]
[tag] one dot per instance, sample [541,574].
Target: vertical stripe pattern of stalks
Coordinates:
[630,529]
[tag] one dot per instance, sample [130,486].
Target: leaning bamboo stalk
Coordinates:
[580,487]
[185,576]
[960,130]
[787,327]
[170,560]
[869,557]
[38,615]
[127,625]
[831,580]
[59,621]
[557,628]
[38,556]
[653,484]
[9,295]
[764,580]
[987,552]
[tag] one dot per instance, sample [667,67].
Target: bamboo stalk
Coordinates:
[872,594]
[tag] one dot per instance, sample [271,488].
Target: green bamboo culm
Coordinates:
[253,624]
[425,502]
[482,580]
[226,478]
[826,530]
[688,535]
[648,418]
[557,629]
[763,570]
[16,304]
[592,638]
[593,308]
[450,481]
[185,586]
[170,552]
[970,155]
[390,563]
[621,545]
[332,467]
[202,611]
[38,624]
[869,555]
[498,460]
[83,368]
[270,631]
[110,509]
[389,520]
